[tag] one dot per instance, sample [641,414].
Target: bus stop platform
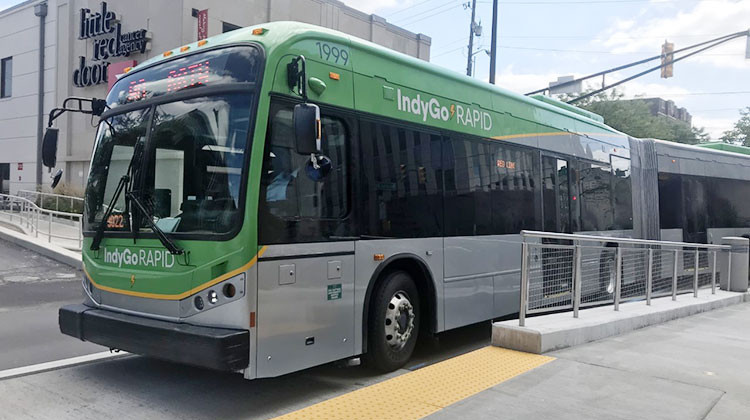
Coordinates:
[545,333]
[690,368]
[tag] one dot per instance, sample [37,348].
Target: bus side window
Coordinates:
[293,207]
[402,182]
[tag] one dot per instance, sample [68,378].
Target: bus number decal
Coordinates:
[115,221]
[333,53]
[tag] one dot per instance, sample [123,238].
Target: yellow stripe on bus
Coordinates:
[427,390]
[183,295]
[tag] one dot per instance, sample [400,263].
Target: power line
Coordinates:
[409,7]
[528,3]
[737,92]
[429,16]
[513,47]
[451,4]
[594,38]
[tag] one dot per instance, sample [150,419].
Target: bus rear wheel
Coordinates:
[393,325]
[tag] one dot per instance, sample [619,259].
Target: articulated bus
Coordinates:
[284,196]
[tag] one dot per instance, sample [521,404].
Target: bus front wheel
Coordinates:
[393,325]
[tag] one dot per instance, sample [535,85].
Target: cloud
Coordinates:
[714,126]
[706,20]
[526,82]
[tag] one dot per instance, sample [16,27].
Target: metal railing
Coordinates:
[568,272]
[27,214]
[52,201]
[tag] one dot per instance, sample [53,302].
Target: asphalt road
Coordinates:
[32,288]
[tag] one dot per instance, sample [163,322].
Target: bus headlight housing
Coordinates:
[219,294]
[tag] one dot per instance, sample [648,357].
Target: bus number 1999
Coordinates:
[333,53]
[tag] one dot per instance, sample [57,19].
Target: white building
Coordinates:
[73,66]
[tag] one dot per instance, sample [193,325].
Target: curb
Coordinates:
[39,246]
[547,333]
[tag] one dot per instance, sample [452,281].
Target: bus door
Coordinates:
[557,262]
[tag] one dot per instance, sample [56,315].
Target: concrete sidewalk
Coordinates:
[65,233]
[691,368]
[557,331]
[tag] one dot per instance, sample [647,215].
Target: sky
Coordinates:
[541,40]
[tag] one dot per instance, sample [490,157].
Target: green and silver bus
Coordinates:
[284,196]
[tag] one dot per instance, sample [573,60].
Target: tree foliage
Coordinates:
[740,134]
[633,117]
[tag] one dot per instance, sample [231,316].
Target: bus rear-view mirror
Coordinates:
[56,178]
[49,148]
[306,120]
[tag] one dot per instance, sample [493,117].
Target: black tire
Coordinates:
[382,354]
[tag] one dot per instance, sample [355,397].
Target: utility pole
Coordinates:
[471,37]
[493,47]
[40,10]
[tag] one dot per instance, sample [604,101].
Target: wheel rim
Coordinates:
[399,320]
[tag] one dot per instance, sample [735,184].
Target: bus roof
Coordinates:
[726,147]
[278,34]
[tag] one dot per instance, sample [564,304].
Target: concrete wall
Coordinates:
[170,24]
[19,38]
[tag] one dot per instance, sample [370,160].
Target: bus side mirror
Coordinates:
[306,119]
[56,178]
[49,148]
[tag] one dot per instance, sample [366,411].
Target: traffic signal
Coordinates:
[667,55]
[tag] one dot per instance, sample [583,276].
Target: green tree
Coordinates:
[740,134]
[634,118]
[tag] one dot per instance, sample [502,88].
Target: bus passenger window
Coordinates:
[402,182]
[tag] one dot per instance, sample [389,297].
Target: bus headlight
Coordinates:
[212,297]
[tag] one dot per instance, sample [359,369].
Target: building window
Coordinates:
[6,77]
[228,27]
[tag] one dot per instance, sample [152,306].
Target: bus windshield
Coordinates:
[189,173]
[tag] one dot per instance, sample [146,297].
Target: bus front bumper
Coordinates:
[215,348]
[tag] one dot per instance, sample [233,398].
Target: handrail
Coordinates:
[45,195]
[554,277]
[592,238]
[29,214]
[50,194]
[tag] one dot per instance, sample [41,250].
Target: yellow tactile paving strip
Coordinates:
[417,394]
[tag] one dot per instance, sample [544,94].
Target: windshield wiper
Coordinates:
[124,184]
[168,243]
